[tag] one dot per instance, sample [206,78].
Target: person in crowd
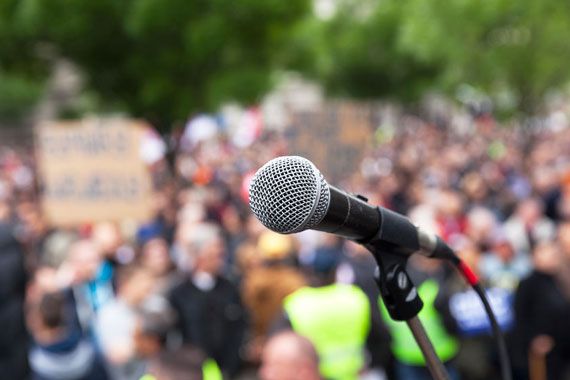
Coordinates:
[357,267]
[477,358]
[61,351]
[450,216]
[13,335]
[564,243]
[289,356]
[155,258]
[528,226]
[265,286]
[89,279]
[501,266]
[462,174]
[336,318]
[540,315]
[56,248]
[153,341]
[210,312]
[154,325]
[186,363]
[109,241]
[116,322]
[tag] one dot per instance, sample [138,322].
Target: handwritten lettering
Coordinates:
[95,188]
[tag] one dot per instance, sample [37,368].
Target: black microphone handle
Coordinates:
[349,216]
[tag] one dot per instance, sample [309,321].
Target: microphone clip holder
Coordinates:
[401,298]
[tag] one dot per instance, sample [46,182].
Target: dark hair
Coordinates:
[157,321]
[184,363]
[51,310]
[126,274]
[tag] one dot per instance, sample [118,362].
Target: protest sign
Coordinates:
[334,137]
[92,171]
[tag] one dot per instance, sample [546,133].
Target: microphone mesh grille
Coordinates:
[288,194]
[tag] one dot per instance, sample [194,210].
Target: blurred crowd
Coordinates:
[203,290]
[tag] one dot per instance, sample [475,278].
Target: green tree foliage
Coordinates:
[22,74]
[357,53]
[163,59]
[502,45]
[403,47]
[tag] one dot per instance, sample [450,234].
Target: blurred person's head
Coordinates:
[248,257]
[108,237]
[274,247]
[155,257]
[474,186]
[46,317]
[191,213]
[544,179]
[547,257]
[467,251]
[34,223]
[205,249]
[184,363]
[288,356]
[502,247]
[51,311]
[231,220]
[323,267]
[85,259]
[450,204]
[154,322]
[134,284]
[481,223]
[530,211]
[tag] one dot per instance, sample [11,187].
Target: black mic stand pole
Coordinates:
[401,298]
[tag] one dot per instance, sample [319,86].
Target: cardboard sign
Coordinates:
[92,171]
[333,137]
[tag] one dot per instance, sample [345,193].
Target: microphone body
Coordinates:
[288,195]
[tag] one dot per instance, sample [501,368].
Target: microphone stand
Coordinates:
[402,300]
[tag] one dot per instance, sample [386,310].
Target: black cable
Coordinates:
[473,280]
[497,334]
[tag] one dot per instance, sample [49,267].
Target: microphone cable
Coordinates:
[473,280]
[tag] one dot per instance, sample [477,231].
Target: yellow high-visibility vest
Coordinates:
[336,319]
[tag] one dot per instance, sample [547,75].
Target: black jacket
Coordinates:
[539,309]
[13,334]
[212,320]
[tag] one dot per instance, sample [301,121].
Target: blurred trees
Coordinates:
[357,52]
[513,50]
[21,73]
[164,59]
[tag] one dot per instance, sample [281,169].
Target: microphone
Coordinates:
[289,194]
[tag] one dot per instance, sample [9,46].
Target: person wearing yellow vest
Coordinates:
[410,363]
[335,318]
